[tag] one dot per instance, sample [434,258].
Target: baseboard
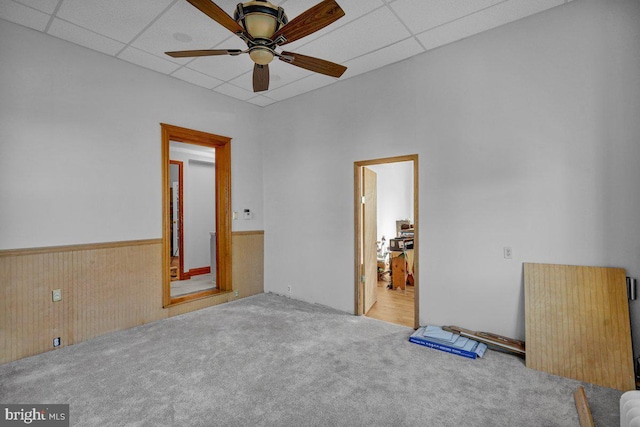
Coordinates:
[199,271]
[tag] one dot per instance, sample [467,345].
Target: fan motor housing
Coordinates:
[260,18]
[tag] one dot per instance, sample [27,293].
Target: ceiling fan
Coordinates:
[263,27]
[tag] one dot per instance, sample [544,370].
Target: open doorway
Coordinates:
[215,259]
[386,239]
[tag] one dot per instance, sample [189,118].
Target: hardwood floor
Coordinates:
[394,306]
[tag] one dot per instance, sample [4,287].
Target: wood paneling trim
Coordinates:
[199,271]
[181,273]
[222,146]
[190,136]
[223,217]
[247,233]
[75,248]
[194,296]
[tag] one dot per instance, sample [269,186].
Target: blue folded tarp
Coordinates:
[435,337]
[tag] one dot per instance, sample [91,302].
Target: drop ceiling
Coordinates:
[372,34]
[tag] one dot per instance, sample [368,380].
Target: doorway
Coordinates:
[218,233]
[386,239]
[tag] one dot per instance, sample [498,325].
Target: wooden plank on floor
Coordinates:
[582,406]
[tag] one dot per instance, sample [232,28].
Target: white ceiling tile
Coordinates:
[301,86]
[485,20]
[223,67]
[144,59]
[245,80]
[421,15]
[121,20]
[280,74]
[46,6]
[353,9]
[377,59]
[23,15]
[196,78]
[261,101]
[235,92]
[283,73]
[373,31]
[184,19]
[86,38]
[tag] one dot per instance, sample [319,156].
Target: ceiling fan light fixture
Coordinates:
[261,55]
[264,27]
[260,18]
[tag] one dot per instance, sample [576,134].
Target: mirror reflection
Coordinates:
[192,213]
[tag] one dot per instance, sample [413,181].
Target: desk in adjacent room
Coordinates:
[401,268]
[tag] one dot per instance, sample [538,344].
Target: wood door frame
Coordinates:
[369,217]
[181,273]
[358,285]
[222,147]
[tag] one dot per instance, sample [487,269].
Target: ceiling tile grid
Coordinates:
[120,20]
[24,15]
[371,35]
[46,6]
[79,35]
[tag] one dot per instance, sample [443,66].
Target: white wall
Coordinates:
[528,136]
[395,196]
[80,157]
[201,217]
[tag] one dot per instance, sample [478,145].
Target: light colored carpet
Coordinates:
[272,361]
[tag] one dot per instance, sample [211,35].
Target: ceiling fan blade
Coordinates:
[216,13]
[260,78]
[313,64]
[203,52]
[310,21]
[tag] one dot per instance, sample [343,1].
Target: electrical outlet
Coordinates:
[237,293]
[507,252]
[289,289]
[56,342]
[56,295]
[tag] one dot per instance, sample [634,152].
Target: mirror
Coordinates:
[192,217]
[196,214]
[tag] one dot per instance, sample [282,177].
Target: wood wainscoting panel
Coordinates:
[577,323]
[105,287]
[116,288]
[27,284]
[248,262]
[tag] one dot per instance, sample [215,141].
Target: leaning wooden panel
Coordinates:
[577,323]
